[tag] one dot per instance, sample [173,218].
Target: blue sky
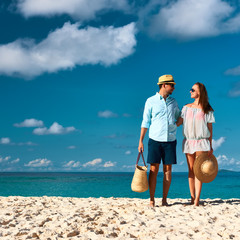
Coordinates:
[75,75]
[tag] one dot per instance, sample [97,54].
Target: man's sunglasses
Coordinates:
[170,84]
[192,90]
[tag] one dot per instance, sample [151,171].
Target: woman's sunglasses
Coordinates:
[192,90]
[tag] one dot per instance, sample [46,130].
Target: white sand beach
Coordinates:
[120,218]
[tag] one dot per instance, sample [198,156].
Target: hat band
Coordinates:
[166,81]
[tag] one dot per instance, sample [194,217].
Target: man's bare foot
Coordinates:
[164,203]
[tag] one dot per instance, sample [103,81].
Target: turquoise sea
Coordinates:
[117,184]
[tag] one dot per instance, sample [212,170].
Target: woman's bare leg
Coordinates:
[198,186]
[191,176]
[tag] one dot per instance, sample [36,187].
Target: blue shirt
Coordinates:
[160,117]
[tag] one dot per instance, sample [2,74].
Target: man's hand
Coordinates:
[140,147]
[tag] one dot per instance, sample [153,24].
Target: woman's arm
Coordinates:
[210,128]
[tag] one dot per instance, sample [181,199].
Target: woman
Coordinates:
[197,119]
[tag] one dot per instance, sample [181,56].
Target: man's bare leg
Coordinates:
[152,182]
[167,171]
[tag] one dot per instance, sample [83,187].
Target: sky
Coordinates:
[75,75]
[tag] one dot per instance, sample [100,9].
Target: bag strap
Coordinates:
[140,154]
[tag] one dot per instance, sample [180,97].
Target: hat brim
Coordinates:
[165,82]
[201,176]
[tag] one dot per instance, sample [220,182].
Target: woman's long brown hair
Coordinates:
[203,99]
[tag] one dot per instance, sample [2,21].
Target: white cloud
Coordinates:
[7,160]
[115,136]
[72,164]
[232,25]
[30,123]
[235,91]
[181,163]
[107,114]
[40,162]
[5,140]
[233,71]
[16,160]
[127,115]
[4,159]
[54,129]
[8,141]
[109,164]
[71,147]
[66,48]
[128,152]
[225,162]
[222,158]
[93,162]
[112,136]
[131,167]
[217,143]
[189,19]
[80,9]
[29,143]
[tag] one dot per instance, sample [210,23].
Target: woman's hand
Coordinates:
[210,152]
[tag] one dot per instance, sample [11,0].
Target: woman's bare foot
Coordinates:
[196,202]
[192,200]
[152,204]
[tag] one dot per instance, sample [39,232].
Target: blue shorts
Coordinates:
[165,151]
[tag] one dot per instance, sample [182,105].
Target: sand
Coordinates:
[120,218]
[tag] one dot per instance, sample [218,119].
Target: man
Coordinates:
[160,114]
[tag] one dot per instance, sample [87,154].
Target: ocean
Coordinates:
[106,184]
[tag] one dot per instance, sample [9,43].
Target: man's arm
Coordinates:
[147,115]
[179,121]
[178,116]
[142,135]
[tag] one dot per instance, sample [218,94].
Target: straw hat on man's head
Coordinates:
[205,168]
[166,79]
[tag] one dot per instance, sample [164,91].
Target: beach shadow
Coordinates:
[187,203]
[202,203]
[207,202]
[221,201]
[172,204]
[234,201]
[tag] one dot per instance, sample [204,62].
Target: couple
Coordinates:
[162,116]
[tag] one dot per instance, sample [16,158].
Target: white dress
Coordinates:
[195,130]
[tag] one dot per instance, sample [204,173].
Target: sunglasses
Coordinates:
[170,84]
[192,90]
